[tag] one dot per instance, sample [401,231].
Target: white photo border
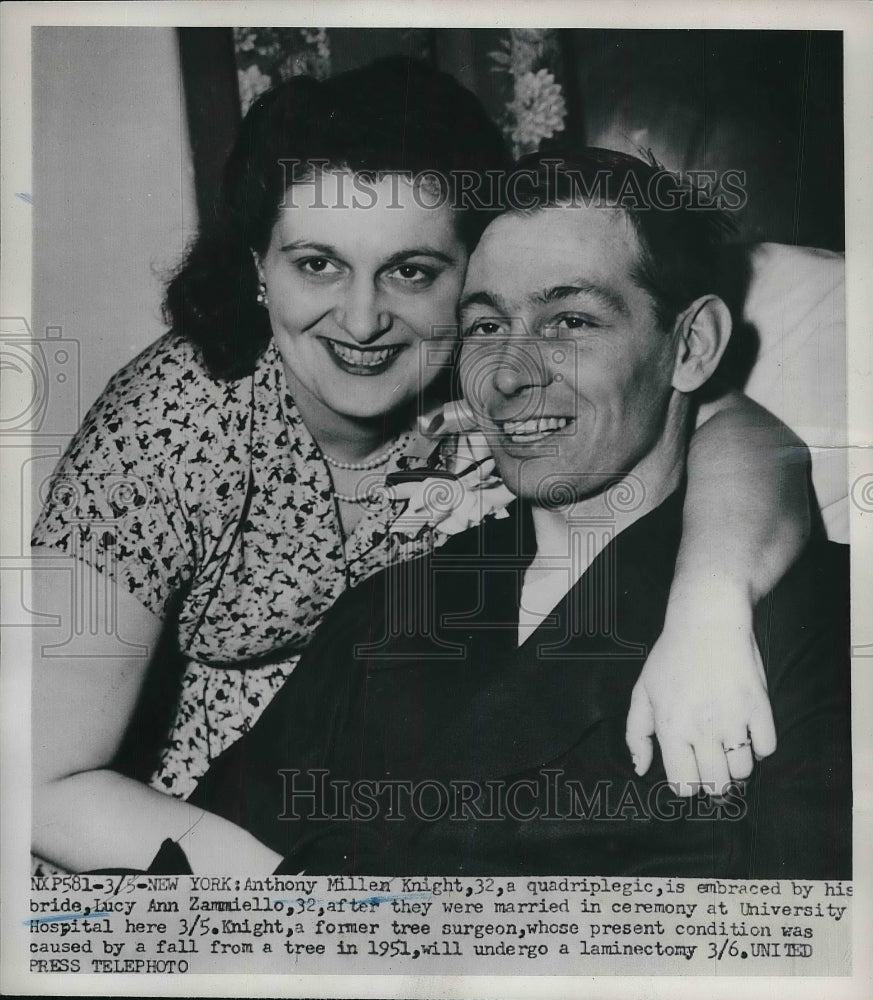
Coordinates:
[856,21]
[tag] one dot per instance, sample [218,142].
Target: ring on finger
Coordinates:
[738,746]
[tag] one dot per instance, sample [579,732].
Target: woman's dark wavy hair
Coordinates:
[396,115]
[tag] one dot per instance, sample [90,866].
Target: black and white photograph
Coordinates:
[431,455]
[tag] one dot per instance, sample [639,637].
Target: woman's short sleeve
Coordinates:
[116,499]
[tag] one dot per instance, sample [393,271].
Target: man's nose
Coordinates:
[517,368]
[362,314]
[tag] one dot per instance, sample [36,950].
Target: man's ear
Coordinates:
[702,333]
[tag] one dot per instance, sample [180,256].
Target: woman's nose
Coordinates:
[361,313]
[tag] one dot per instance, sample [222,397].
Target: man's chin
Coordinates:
[542,487]
[536,481]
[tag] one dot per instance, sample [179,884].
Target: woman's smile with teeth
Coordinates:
[370,357]
[520,430]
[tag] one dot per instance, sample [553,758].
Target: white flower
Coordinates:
[252,83]
[451,505]
[539,109]
[451,502]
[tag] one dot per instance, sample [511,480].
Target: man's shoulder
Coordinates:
[504,537]
[802,625]
[494,537]
[816,587]
[445,578]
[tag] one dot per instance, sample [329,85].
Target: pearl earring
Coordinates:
[261,297]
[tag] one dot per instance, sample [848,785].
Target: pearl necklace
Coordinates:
[374,463]
[362,500]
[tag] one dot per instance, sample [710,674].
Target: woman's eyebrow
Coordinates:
[396,258]
[605,295]
[423,251]
[324,248]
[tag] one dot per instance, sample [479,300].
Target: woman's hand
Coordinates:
[745,520]
[703,692]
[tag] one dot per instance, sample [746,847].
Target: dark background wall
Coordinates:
[769,103]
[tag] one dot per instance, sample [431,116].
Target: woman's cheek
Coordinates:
[438,316]
[300,306]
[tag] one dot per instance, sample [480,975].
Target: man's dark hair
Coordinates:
[396,115]
[680,236]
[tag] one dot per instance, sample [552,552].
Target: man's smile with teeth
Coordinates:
[526,430]
[367,357]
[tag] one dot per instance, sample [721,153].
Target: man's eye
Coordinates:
[571,322]
[317,266]
[483,328]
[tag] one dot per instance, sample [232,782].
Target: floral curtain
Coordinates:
[267,56]
[525,65]
[537,109]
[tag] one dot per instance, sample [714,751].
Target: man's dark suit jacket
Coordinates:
[416,676]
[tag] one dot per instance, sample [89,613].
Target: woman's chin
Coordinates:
[368,411]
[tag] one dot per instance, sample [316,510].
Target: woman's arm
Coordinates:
[747,510]
[86,816]
[745,520]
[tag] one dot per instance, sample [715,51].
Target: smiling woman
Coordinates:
[246,441]
[353,292]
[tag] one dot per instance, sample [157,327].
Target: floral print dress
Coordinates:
[211,503]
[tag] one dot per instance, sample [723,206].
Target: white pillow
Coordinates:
[796,301]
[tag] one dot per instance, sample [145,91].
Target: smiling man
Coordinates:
[579,373]
[582,372]
[465,713]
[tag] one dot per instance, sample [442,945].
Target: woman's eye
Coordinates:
[412,274]
[317,266]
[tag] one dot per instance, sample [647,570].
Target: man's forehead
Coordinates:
[522,257]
